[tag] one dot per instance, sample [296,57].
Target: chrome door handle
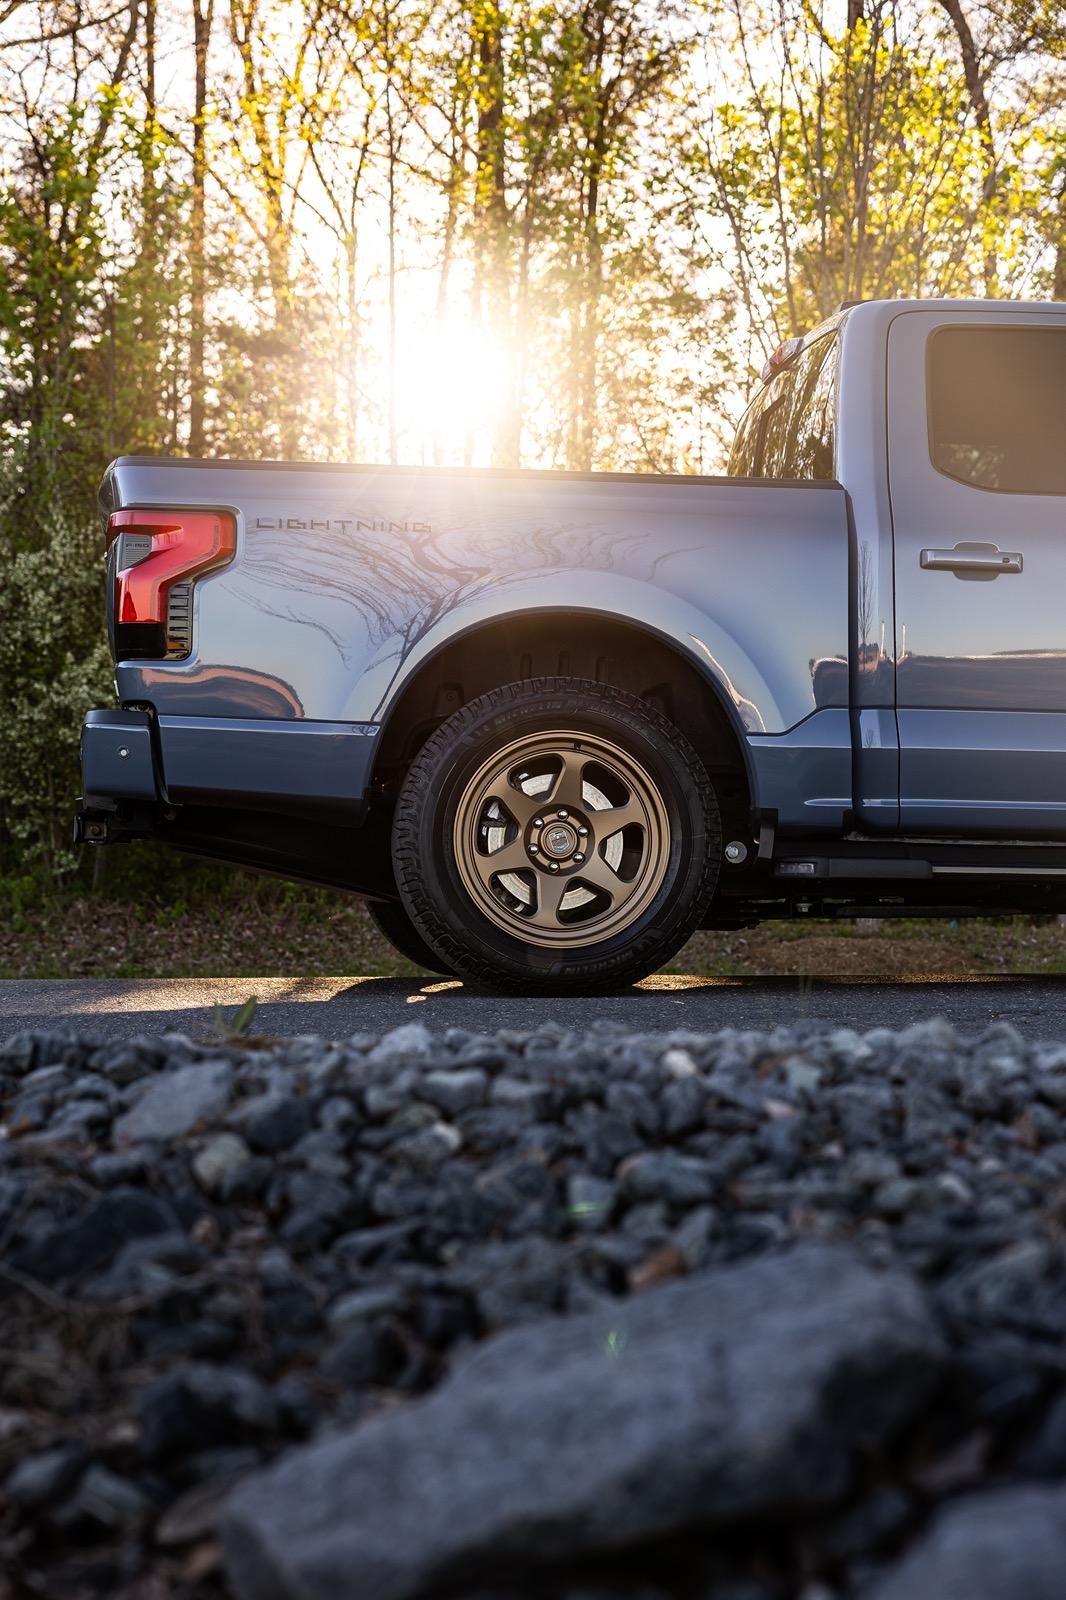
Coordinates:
[986,559]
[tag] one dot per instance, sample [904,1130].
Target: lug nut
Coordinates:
[534,849]
[584,832]
[555,866]
[538,822]
[579,856]
[564,814]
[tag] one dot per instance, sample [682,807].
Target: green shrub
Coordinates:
[54,665]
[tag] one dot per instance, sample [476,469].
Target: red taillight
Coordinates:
[156,548]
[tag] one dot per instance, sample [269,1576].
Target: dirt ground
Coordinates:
[258,928]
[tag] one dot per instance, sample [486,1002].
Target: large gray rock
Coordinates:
[747,1389]
[174,1102]
[1008,1545]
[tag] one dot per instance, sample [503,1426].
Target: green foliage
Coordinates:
[241,1021]
[54,665]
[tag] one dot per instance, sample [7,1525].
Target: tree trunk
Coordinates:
[202,14]
[975,88]
[151,127]
[1058,282]
[491,220]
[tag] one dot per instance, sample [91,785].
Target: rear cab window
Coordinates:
[788,431]
[997,407]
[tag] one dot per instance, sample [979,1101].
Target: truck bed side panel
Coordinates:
[346,579]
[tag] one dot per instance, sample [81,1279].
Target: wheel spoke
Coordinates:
[600,875]
[616,818]
[508,858]
[522,807]
[550,891]
[567,788]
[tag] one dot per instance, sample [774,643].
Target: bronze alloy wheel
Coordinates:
[556,835]
[561,840]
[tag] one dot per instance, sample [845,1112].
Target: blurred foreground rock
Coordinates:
[747,1391]
[534,1316]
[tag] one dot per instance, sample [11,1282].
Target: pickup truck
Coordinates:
[550,723]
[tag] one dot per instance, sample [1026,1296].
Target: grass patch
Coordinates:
[155,915]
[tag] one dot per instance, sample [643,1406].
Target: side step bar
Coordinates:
[844,861]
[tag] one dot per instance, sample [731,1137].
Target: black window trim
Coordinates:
[950,326]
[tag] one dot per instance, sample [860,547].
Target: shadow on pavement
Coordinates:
[342,1006]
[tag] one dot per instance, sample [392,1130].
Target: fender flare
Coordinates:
[704,643]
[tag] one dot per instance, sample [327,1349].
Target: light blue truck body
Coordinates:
[885,645]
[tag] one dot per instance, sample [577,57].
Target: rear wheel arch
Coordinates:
[579,644]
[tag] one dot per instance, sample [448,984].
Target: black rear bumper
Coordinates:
[117,757]
[121,787]
[140,770]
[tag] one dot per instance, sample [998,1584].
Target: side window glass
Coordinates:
[798,436]
[813,429]
[775,438]
[997,403]
[744,456]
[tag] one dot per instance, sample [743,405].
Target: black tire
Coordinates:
[393,923]
[432,860]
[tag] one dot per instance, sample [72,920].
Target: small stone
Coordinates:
[801,1075]
[666,1175]
[896,1196]
[222,1155]
[1008,1544]
[678,1064]
[130,1061]
[174,1102]
[103,1502]
[318,1207]
[338,1114]
[271,1122]
[46,1476]
[635,1105]
[200,1406]
[124,1166]
[359,1305]
[144,1265]
[535,1099]
[453,1092]
[517,1281]
[694,1236]
[428,1150]
[413,1039]
[682,1106]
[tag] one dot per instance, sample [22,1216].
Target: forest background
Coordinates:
[499,232]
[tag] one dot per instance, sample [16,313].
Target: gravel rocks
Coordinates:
[780,1312]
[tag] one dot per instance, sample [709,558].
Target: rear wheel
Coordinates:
[556,834]
[393,923]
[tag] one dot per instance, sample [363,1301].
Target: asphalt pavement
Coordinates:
[339,1007]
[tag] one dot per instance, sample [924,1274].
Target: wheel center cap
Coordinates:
[559,839]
